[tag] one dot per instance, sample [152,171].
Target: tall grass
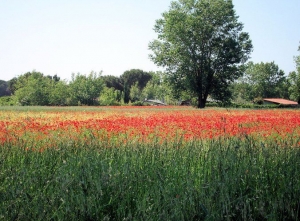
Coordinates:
[219,179]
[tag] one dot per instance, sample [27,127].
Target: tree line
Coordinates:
[204,51]
[267,80]
[260,80]
[132,87]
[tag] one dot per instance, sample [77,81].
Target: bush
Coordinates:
[258,100]
[7,101]
[138,103]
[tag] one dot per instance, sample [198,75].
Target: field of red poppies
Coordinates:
[144,124]
[149,163]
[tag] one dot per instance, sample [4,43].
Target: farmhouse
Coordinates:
[280,101]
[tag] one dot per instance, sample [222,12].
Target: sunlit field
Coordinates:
[49,127]
[149,163]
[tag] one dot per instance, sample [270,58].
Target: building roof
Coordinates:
[280,101]
[157,102]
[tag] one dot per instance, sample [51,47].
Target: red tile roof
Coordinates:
[280,101]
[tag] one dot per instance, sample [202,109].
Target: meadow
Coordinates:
[149,163]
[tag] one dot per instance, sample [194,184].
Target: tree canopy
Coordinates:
[4,88]
[262,80]
[130,78]
[32,88]
[86,89]
[202,47]
[294,80]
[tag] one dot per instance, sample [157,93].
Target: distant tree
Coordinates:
[59,93]
[284,88]
[156,88]
[23,79]
[202,47]
[150,91]
[135,93]
[12,85]
[113,82]
[129,79]
[86,89]
[294,89]
[294,80]
[264,80]
[241,91]
[109,96]
[7,101]
[4,89]
[55,78]
[32,88]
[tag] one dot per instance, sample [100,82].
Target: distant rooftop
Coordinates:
[155,102]
[280,101]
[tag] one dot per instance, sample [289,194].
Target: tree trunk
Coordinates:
[201,102]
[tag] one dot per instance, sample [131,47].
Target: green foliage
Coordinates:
[113,82]
[264,80]
[258,100]
[12,85]
[222,179]
[246,105]
[135,93]
[32,88]
[294,80]
[4,88]
[132,76]
[201,45]
[7,101]
[129,79]
[110,97]
[138,103]
[151,91]
[54,78]
[155,88]
[294,89]
[59,93]
[86,89]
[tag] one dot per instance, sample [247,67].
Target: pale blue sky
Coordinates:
[64,37]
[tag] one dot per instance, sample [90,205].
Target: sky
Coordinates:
[75,36]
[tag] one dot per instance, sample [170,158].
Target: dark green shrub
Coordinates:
[6,101]
[258,100]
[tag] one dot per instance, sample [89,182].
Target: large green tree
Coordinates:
[202,47]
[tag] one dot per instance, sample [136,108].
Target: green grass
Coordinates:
[224,179]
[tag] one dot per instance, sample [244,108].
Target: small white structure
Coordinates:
[155,102]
